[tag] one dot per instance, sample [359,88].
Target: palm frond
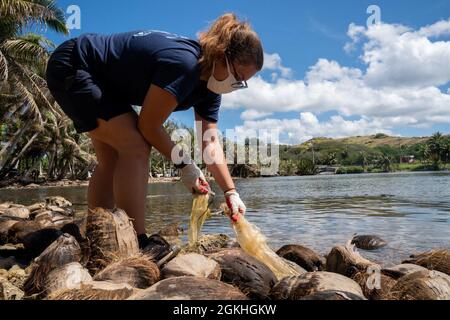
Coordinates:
[31,49]
[28,12]
[3,69]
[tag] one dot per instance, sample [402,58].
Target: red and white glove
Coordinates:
[194,179]
[235,204]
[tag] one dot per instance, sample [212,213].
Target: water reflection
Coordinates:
[411,211]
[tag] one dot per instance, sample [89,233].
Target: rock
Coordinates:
[189,288]
[375,286]
[111,236]
[250,275]
[438,260]
[333,295]
[67,277]
[192,264]
[304,257]
[173,230]
[95,290]
[58,202]
[368,242]
[297,287]
[139,272]
[422,285]
[8,291]
[347,261]
[61,252]
[401,270]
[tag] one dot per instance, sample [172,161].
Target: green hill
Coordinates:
[365,151]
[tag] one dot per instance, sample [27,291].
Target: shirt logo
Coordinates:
[168,35]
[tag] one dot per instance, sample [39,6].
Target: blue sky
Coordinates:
[300,33]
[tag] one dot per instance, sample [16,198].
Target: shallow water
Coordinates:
[409,210]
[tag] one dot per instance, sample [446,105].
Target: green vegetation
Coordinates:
[376,153]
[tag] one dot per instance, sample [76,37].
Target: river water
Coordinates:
[409,210]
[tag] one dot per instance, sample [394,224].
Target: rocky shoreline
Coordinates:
[49,251]
[73,183]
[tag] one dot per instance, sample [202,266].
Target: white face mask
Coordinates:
[224,86]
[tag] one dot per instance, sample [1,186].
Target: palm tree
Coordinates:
[436,148]
[35,132]
[384,163]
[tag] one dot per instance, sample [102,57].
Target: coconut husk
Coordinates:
[58,202]
[8,291]
[368,242]
[297,287]
[111,237]
[77,229]
[422,285]
[69,276]
[59,219]
[192,264]
[5,226]
[15,211]
[247,273]
[157,248]
[36,207]
[438,260]
[17,276]
[294,266]
[401,270]
[172,230]
[304,257]
[346,260]
[208,243]
[333,295]
[44,218]
[36,242]
[372,289]
[95,290]
[62,251]
[19,231]
[139,272]
[190,288]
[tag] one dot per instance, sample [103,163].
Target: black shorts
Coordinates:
[82,96]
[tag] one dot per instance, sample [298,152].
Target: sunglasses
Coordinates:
[240,84]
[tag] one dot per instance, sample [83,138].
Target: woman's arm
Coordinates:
[214,151]
[157,107]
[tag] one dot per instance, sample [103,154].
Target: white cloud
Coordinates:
[273,62]
[254,114]
[308,126]
[399,87]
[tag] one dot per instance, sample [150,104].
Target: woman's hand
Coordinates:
[235,204]
[194,180]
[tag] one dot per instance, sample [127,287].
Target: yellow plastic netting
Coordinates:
[254,243]
[200,212]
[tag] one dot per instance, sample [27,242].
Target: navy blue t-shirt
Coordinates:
[128,63]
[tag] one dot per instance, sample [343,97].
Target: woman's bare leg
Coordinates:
[100,190]
[130,178]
